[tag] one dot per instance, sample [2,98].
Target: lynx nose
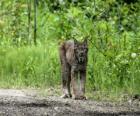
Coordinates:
[81,60]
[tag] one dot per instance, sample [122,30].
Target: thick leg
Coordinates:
[74,80]
[65,72]
[66,81]
[82,84]
[69,82]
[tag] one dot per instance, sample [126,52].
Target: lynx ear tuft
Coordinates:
[75,44]
[85,40]
[75,41]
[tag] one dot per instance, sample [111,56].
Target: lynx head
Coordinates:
[81,50]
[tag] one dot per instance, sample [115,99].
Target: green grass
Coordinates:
[114,47]
[29,66]
[39,67]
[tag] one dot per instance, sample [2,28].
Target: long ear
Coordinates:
[85,41]
[75,41]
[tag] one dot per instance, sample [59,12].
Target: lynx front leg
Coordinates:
[74,80]
[82,84]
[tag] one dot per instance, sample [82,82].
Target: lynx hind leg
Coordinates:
[66,82]
[65,72]
[69,81]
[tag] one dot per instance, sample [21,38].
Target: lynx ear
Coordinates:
[85,42]
[75,41]
[75,44]
[86,38]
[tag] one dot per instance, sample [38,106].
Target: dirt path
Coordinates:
[27,103]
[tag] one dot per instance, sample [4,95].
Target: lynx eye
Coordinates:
[75,47]
[86,49]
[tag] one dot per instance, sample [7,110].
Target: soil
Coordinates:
[29,103]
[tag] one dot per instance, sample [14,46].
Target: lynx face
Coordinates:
[81,50]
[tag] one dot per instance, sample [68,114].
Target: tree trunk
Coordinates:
[29,21]
[35,21]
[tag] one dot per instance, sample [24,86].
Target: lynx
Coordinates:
[73,57]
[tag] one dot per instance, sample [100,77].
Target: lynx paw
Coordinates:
[66,96]
[79,98]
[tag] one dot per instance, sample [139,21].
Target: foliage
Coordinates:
[112,28]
